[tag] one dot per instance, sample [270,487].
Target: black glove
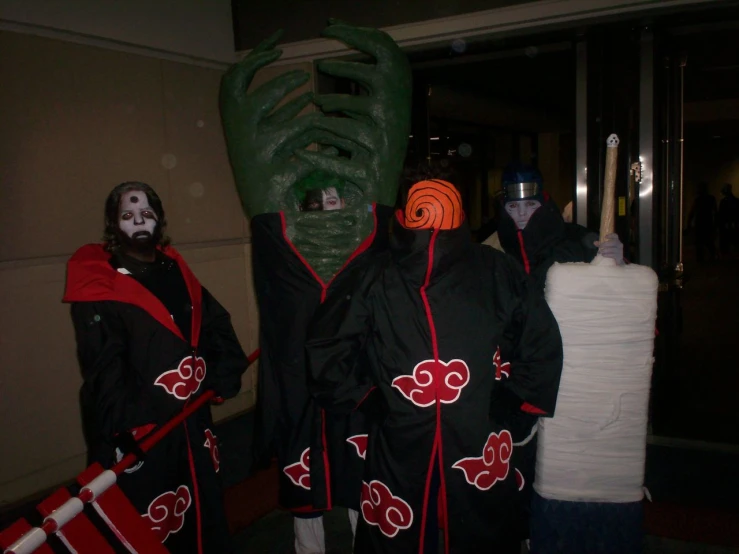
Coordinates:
[127,444]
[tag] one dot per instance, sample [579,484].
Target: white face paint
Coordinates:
[521,211]
[331,199]
[135,216]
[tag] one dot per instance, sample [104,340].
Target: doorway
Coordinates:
[698,128]
[480,106]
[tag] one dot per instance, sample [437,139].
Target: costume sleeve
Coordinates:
[534,350]
[110,396]
[337,336]
[223,351]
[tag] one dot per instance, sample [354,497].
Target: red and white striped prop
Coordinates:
[63,514]
[73,527]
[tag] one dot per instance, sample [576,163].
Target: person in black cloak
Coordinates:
[151,339]
[318,454]
[457,337]
[533,231]
[301,254]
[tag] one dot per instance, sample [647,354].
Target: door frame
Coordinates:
[530,16]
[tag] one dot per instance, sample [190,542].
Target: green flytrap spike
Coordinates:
[268,147]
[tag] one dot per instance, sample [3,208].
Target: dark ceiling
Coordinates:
[305,19]
[526,71]
[712,64]
[711,53]
[539,71]
[532,76]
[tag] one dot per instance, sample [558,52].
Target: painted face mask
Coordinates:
[137,220]
[521,211]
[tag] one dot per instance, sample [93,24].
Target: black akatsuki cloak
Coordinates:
[140,369]
[456,338]
[546,239]
[319,455]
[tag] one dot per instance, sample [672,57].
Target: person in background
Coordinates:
[702,219]
[728,221]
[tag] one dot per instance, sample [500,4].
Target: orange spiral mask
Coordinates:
[433,205]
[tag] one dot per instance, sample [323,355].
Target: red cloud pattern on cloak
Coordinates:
[211,443]
[430,377]
[360,444]
[492,466]
[502,369]
[166,513]
[185,380]
[299,472]
[379,507]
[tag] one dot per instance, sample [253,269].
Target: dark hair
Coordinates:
[424,171]
[317,180]
[112,206]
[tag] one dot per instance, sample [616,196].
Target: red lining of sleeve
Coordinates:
[531,409]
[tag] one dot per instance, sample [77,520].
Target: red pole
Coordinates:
[50,526]
[150,440]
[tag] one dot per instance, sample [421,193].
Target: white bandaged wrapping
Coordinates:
[593,449]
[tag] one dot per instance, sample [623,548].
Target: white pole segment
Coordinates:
[66,512]
[100,484]
[28,542]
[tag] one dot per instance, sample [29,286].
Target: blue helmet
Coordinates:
[522,181]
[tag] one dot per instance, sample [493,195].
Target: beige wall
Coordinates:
[77,120]
[200,29]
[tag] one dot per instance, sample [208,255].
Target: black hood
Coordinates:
[544,230]
[546,239]
[410,248]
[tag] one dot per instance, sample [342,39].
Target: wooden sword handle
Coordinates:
[608,215]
